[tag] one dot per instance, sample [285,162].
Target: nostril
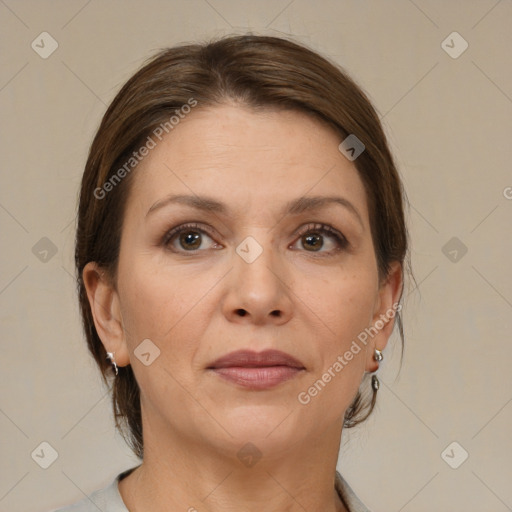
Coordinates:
[241,312]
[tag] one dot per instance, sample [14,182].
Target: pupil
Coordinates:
[311,237]
[188,237]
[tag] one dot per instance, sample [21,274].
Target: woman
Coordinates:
[240,252]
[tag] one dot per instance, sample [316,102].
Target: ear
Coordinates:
[104,301]
[386,308]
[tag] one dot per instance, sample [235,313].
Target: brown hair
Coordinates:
[255,71]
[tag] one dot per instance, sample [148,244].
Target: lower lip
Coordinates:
[263,377]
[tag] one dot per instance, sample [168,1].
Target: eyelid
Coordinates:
[321,227]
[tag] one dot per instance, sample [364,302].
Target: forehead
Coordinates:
[249,159]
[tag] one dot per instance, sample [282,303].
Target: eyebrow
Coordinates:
[293,207]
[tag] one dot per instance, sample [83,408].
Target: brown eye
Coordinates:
[190,239]
[313,236]
[185,238]
[314,241]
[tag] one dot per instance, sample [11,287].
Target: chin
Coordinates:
[269,427]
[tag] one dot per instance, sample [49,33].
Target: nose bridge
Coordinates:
[255,253]
[258,286]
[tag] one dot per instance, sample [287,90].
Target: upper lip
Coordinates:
[251,359]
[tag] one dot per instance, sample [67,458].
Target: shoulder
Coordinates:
[107,499]
[90,503]
[348,496]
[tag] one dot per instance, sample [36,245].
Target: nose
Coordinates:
[258,286]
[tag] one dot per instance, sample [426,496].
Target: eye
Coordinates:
[312,237]
[188,236]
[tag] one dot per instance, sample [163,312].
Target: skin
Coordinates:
[188,304]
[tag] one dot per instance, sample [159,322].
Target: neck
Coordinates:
[184,474]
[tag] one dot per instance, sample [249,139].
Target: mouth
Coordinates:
[257,370]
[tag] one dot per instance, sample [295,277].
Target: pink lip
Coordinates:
[257,370]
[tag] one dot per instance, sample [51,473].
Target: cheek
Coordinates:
[153,296]
[165,304]
[345,306]
[342,304]
[346,310]
[161,305]
[149,306]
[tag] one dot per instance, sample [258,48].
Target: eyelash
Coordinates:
[317,228]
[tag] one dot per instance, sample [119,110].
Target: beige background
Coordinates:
[449,122]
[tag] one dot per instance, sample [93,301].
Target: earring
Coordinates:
[377,356]
[112,357]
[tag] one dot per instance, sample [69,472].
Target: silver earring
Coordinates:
[377,356]
[112,358]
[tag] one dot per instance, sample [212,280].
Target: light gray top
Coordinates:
[109,498]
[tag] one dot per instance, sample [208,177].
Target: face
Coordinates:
[245,261]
